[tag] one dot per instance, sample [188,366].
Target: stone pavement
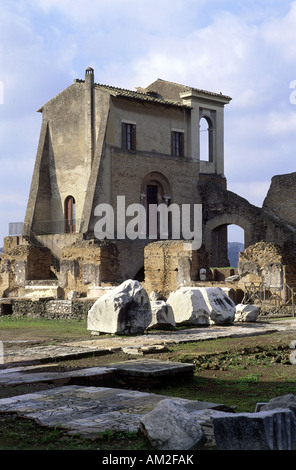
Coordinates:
[90,410]
[14,354]
[82,401]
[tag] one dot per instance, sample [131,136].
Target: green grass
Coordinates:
[236,372]
[30,328]
[23,434]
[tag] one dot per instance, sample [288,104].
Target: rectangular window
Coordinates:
[128,136]
[177,144]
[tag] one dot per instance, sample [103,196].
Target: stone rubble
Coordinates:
[123,310]
[246,313]
[93,409]
[162,315]
[265,430]
[169,426]
[201,306]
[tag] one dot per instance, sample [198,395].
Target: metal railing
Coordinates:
[47,227]
[280,297]
[33,239]
[15,228]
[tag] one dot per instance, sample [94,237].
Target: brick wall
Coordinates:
[168,265]
[38,263]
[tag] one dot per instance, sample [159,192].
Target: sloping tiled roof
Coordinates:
[172,89]
[160,92]
[139,95]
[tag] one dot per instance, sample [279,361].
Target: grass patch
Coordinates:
[236,372]
[12,328]
[24,434]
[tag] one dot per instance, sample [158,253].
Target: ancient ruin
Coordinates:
[99,146]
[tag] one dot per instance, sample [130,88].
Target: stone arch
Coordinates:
[215,236]
[162,183]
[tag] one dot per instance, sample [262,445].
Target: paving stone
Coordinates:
[40,354]
[93,409]
[22,376]
[90,410]
[87,410]
[152,368]
[144,368]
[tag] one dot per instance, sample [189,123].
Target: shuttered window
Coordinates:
[128,136]
[177,144]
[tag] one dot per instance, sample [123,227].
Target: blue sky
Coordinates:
[242,48]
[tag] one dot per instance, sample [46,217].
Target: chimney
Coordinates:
[89,122]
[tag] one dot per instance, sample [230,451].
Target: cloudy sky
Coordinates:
[242,48]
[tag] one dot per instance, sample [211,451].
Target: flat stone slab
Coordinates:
[15,377]
[90,410]
[145,368]
[152,368]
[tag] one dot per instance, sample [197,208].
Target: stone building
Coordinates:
[98,142]
[163,144]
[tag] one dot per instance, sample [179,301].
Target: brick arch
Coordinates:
[161,180]
[222,207]
[215,236]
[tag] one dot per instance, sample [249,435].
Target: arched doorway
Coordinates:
[216,236]
[70,215]
[155,190]
[235,243]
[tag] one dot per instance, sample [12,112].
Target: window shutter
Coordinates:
[123,137]
[134,146]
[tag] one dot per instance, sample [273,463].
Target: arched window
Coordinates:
[206,139]
[70,214]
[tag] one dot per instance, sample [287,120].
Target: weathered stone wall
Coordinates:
[76,309]
[222,208]
[87,263]
[20,263]
[280,199]
[268,263]
[38,263]
[169,265]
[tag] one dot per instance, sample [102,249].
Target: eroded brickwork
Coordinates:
[281,197]
[168,265]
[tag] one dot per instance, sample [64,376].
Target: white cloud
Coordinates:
[281,123]
[243,49]
[280,33]
[254,191]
